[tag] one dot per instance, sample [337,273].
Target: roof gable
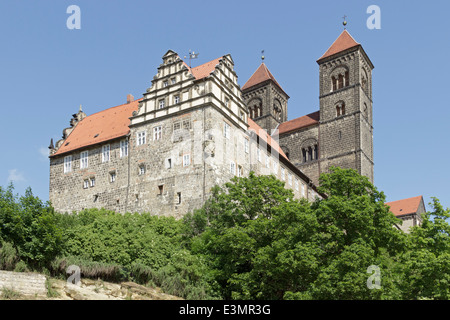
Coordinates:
[344,42]
[405,206]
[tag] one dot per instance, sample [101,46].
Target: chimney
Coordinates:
[130,98]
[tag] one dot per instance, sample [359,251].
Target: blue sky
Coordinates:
[47,71]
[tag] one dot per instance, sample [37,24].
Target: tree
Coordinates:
[427,262]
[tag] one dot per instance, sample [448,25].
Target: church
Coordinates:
[196,127]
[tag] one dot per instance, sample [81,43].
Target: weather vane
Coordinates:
[345,21]
[262,55]
[192,55]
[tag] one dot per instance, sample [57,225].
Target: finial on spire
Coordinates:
[262,56]
[81,110]
[344,23]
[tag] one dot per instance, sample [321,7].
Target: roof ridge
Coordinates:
[120,105]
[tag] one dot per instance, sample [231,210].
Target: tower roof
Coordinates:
[261,75]
[344,42]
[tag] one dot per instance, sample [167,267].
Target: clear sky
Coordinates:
[48,70]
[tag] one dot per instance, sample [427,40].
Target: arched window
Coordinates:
[340,81]
[334,83]
[340,109]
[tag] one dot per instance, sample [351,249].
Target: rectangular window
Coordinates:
[105,153]
[232,168]
[67,164]
[176,99]
[161,189]
[239,171]
[162,104]
[290,179]
[187,124]
[173,80]
[283,177]
[157,133]
[176,126]
[123,148]
[179,197]
[165,83]
[112,177]
[303,190]
[141,170]
[296,184]
[140,140]
[275,166]
[267,162]
[84,160]
[86,184]
[186,160]
[226,130]
[92,182]
[258,154]
[246,145]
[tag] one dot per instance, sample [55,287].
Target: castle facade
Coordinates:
[195,128]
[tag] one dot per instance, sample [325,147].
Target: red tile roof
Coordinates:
[265,136]
[205,69]
[343,42]
[405,206]
[299,123]
[99,127]
[260,75]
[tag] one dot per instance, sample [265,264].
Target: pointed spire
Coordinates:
[51,146]
[343,42]
[260,75]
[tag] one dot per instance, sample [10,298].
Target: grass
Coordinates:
[9,294]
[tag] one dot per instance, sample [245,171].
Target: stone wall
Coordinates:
[27,284]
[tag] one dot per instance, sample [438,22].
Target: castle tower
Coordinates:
[345,129]
[265,99]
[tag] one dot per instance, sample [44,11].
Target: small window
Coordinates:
[141,170]
[86,184]
[105,153]
[173,80]
[140,138]
[246,145]
[123,148]
[84,160]
[176,126]
[168,163]
[165,83]
[303,190]
[112,177]
[304,155]
[258,154]
[160,189]
[275,166]
[267,161]
[339,135]
[157,133]
[226,130]
[176,99]
[92,182]
[316,154]
[67,164]
[290,179]
[239,171]
[296,185]
[179,197]
[187,124]
[232,168]
[283,176]
[186,160]
[162,104]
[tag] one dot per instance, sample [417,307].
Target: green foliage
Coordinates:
[30,226]
[251,240]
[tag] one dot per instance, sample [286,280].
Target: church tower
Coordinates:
[265,99]
[345,129]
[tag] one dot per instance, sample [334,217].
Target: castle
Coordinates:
[196,127]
